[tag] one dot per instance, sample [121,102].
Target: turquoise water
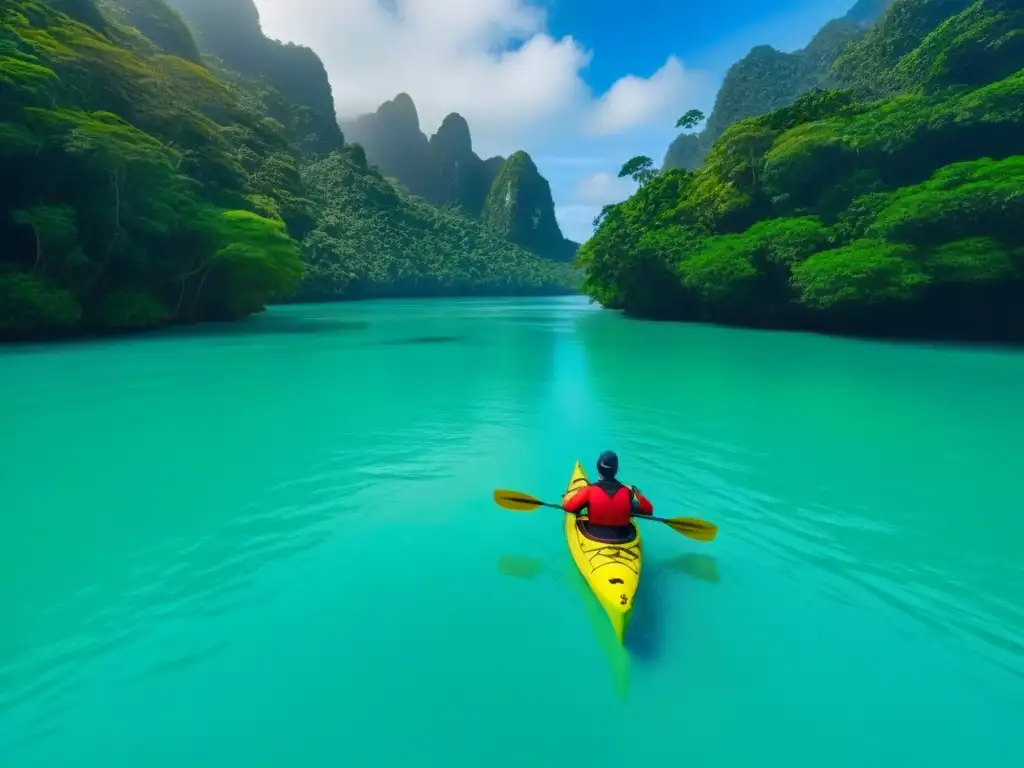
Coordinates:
[274,544]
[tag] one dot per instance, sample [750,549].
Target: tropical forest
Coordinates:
[881,195]
[168,163]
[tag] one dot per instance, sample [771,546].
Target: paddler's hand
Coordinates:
[635,490]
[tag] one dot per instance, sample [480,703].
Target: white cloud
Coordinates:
[493,61]
[577,221]
[633,101]
[588,197]
[603,188]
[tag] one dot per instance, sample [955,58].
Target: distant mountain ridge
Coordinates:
[767,79]
[510,196]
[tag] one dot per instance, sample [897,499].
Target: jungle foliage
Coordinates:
[374,239]
[147,183]
[848,211]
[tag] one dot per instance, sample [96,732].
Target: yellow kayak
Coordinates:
[612,571]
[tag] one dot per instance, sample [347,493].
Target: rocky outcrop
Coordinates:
[230,30]
[394,143]
[519,206]
[445,171]
[462,177]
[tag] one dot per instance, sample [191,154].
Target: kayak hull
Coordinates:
[611,570]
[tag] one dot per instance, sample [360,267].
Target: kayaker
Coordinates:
[609,503]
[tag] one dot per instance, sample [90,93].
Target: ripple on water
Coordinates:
[181,606]
[201,579]
[715,482]
[814,537]
[181,661]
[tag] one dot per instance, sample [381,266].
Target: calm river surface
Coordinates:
[274,544]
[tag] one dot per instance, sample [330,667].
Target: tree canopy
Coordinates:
[845,211]
[147,182]
[767,79]
[373,239]
[640,169]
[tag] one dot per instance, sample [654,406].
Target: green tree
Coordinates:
[640,169]
[55,230]
[30,305]
[864,272]
[255,260]
[690,120]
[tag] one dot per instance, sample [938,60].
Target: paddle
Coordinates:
[701,530]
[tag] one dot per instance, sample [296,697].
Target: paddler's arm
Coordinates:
[641,505]
[575,504]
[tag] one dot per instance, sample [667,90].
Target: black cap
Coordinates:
[608,464]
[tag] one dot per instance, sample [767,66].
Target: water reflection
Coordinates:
[527,567]
[520,566]
[617,655]
[646,631]
[644,639]
[700,566]
[271,324]
[834,455]
[415,340]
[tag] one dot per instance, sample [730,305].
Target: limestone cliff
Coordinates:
[520,207]
[393,142]
[230,30]
[445,171]
[462,178]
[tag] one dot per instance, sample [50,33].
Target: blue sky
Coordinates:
[708,37]
[636,37]
[582,85]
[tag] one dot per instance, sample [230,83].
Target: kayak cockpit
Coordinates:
[606,534]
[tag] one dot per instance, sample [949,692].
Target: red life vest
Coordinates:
[609,504]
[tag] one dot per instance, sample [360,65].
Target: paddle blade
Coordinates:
[701,530]
[516,501]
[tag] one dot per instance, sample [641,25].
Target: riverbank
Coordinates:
[79,333]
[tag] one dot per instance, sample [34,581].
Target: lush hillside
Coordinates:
[387,243]
[767,79]
[879,64]
[230,31]
[144,185]
[158,22]
[129,195]
[898,216]
[374,240]
[445,171]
